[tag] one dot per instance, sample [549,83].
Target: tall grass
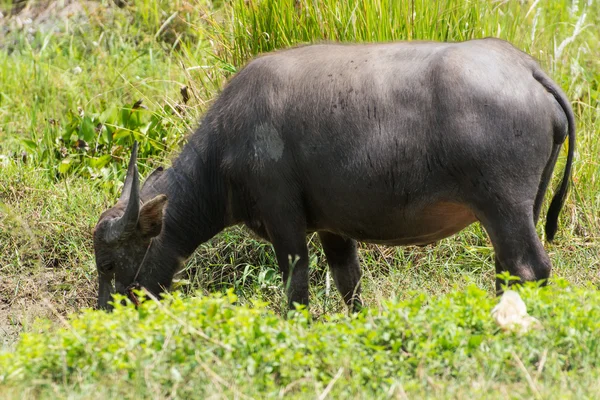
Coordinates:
[262,26]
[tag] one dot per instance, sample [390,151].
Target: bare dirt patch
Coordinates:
[48,294]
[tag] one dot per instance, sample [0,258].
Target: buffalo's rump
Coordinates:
[402,143]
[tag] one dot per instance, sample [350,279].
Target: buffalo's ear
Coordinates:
[151,216]
[148,185]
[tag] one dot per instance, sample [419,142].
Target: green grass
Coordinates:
[68,117]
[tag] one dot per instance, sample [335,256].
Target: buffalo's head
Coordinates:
[123,234]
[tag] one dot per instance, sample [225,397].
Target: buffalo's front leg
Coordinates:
[343,262]
[292,257]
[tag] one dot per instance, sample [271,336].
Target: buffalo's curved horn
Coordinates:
[131,196]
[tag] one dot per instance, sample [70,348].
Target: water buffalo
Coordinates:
[399,144]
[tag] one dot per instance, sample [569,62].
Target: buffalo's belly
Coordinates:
[404,227]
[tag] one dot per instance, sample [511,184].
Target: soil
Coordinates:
[45,293]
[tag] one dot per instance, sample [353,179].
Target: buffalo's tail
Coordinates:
[559,197]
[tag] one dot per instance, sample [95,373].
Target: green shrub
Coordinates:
[203,344]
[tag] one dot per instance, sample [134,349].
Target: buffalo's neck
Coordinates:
[194,213]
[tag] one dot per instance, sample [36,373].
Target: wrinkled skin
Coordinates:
[399,144]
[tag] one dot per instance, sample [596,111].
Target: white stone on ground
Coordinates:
[511,314]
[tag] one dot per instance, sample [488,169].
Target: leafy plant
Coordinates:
[89,143]
[197,345]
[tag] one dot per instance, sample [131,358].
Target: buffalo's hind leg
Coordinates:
[516,244]
[343,262]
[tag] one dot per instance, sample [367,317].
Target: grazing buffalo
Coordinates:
[399,144]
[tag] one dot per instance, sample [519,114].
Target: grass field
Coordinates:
[72,75]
